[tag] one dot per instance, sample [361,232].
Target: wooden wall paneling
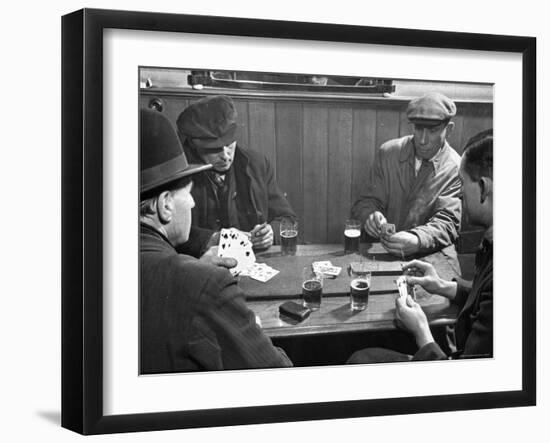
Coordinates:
[477,117]
[363,149]
[261,129]
[405,127]
[340,140]
[242,122]
[288,140]
[455,138]
[314,166]
[387,123]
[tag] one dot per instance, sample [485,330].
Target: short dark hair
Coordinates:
[478,155]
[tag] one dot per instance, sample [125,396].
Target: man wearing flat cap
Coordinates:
[414,184]
[240,190]
[193,315]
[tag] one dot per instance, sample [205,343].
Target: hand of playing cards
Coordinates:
[387,230]
[235,244]
[404,288]
[326,268]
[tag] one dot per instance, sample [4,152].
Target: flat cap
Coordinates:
[431,109]
[209,123]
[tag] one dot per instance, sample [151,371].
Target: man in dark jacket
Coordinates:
[240,190]
[414,184]
[474,324]
[193,315]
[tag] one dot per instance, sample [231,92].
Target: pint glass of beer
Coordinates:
[289,236]
[352,236]
[359,287]
[312,288]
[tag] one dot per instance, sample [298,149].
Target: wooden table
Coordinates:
[335,315]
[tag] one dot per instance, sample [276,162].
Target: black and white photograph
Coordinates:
[254,221]
[274,221]
[291,219]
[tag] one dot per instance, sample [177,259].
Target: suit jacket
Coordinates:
[474,324]
[194,316]
[253,196]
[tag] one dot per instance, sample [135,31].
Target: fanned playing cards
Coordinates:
[235,244]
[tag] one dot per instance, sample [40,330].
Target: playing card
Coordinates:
[263,273]
[404,288]
[387,229]
[235,244]
[326,268]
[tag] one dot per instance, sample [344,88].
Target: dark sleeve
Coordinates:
[463,288]
[374,197]
[443,226]
[479,342]
[200,239]
[278,205]
[241,341]
[431,351]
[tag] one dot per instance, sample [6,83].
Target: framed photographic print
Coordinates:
[194,143]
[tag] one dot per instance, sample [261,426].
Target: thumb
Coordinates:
[411,280]
[226,262]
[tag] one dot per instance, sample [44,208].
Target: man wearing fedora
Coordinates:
[414,184]
[240,190]
[193,315]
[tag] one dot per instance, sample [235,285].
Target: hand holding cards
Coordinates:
[235,244]
[405,288]
[387,230]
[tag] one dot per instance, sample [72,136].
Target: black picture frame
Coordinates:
[82,219]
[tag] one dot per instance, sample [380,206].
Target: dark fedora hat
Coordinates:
[162,160]
[209,123]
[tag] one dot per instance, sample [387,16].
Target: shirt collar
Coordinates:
[407,154]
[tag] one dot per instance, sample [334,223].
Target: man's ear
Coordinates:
[165,207]
[485,188]
[450,128]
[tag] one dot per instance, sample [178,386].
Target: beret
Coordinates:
[209,123]
[431,108]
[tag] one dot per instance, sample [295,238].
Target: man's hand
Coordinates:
[401,244]
[411,317]
[210,257]
[261,236]
[373,224]
[425,275]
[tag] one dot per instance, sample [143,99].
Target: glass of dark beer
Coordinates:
[359,287]
[289,236]
[352,236]
[312,288]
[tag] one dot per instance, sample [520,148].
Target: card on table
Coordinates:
[326,268]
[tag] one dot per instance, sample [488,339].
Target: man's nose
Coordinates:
[424,136]
[225,153]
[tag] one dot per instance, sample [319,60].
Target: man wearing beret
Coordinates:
[414,184]
[193,315]
[240,190]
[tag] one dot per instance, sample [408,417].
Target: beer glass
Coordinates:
[289,236]
[312,288]
[359,287]
[352,236]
